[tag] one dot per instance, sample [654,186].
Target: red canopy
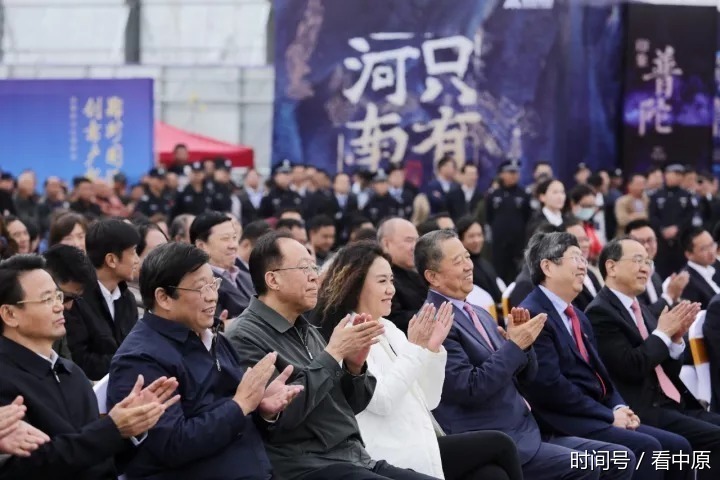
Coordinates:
[199,146]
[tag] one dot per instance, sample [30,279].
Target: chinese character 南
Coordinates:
[447,134]
[657,110]
[380,137]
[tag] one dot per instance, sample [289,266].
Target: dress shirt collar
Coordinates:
[31,361]
[557,302]
[172,330]
[444,184]
[458,303]
[229,274]
[624,299]
[53,358]
[109,296]
[273,318]
[555,219]
[706,272]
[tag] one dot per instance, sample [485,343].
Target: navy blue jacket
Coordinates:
[479,392]
[205,435]
[566,395]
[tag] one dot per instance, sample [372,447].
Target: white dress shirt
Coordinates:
[110,297]
[469,192]
[676,349]
[707,274]
[653,295]
[396,425]
[589,284]
[53,358]
[553,218]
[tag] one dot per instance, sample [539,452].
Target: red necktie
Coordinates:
[666,384]
[578,336]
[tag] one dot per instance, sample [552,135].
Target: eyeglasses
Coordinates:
[578,259]
[206,289]
[307,269]
[640,261]
[57,297]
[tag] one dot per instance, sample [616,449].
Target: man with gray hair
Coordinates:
[572,393]
[482,369]
[397,237]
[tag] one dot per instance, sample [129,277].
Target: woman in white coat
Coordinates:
[397,425]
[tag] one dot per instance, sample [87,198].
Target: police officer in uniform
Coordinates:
[280,195]
[195,198]
[398,190]
[507,212]
[223,199]
[157,200]
[671,211]
[381,204]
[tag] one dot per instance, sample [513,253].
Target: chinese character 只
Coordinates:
[447,134]
[114,108]
[661,460]
[656,109]
[386,69]
[380,137]
[463,47]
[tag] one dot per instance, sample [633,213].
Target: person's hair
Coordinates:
[579,192]
[463,225]
[77,181]
[254,230]
[569,222]
[143,229]
[653,169]
[288,224]
[541,163]
[428,251]
[165,267]
[544,186]
[179,226]
[595,180]
[11,269]
[289,210]
[688,236]
[444,160]
[551,246]
[66,263]
[265,256]
[421,209]
[636,225]
[109,236]
[464,168]
[429,225]
[340,290]
[367,233]
[613,250]
[178,146]
[203,223]
[319,221]
[62,225]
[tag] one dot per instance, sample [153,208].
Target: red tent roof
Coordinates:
[199,146]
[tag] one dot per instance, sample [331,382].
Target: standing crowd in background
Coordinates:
[359,326]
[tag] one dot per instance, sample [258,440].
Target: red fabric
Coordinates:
[199,147]
[596,245]
[577,334]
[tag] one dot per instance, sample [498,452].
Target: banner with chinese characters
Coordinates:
[669,85]
[68,128]
[364,83]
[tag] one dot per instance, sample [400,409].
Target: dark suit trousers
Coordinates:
[382,469]
[700,428]
[482,455]
[643,442]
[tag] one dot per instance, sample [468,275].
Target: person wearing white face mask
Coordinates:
[582,205]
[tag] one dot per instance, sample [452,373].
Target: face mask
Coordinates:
[585,213]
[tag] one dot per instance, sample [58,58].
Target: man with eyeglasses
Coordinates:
[591,283]
[656,295]
[213,432]
[76,443]
[700,249]
[643,355]
[317,436]
[213,233]
[572,393]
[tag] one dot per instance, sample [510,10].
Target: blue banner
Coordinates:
[68,128]
[363,83]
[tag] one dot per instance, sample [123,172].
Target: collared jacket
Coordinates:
[205,436]
[60,402]
[318,428]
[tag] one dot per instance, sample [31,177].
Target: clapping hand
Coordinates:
[421,326]
[23,440]
[278,395]
[441,328]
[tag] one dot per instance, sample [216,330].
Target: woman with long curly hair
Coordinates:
[397,425]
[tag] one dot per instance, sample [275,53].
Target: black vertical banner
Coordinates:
[669,86]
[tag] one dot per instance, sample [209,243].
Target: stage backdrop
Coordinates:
[669,85]
[68,128]
[363,83]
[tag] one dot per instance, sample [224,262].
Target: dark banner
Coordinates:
[669,85]
[361,84]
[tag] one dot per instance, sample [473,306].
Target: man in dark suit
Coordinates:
[655,297]
[643,355]
[700,249]
[711,333]
[69,439]
[438,188]
[404,196]
[572,393]
[397,237]
[213,233]
[483,368]
[103,316]
[250,197]
[339,204]
[464,200]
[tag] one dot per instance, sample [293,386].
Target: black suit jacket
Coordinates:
[410,294]
[523,286]
[485,277]
[61,403]
[458,207]
[248,212]
[585,297]
[697,289]
[93,336]
[657,307]
[711,332]
[629,359]
[233,297]
[326,203]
